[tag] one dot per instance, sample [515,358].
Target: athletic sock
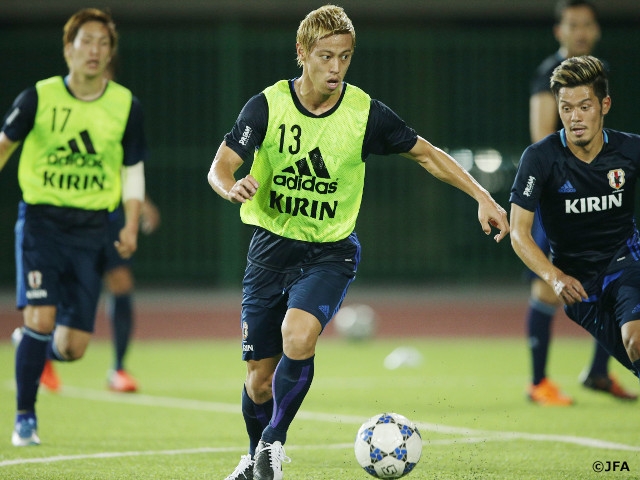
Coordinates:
[120,312]
[636,365]
[600,362]
[256,418]
[52,351]
[291,382]
[539,317]
[30,357]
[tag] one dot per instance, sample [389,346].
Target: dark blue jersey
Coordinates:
[386,133]
[587,209]
[542,76]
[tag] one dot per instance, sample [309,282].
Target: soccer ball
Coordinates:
[356,322]
[388,445]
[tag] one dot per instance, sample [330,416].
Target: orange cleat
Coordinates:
[547,393]
[608,384]
[49,378]
[121,381]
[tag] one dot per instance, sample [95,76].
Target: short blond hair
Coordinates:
[323,22]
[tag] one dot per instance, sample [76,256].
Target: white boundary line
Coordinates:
[467,435]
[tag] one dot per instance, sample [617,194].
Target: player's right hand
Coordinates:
[243,190]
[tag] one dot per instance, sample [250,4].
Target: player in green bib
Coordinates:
[82,154]
[307,140]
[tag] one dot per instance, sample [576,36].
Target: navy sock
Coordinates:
[291,382]
[600,361]
[539,319]
[636,365]
[52,351]
[256,418]
[120,312]
[30,357]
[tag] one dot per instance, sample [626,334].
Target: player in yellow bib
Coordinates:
[308,139]
[83,148]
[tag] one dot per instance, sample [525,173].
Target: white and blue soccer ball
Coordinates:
[356,322]
[388,445]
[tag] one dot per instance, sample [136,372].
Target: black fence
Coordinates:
[464,88]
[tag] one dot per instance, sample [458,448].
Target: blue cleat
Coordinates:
[25,433]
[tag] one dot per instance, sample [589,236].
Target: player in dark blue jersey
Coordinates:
[582,181]
[307,140]
[119,283]
[82,154]
[577,32]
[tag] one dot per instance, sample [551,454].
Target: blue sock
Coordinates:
[30,357]
[636,365]
[120,312]
[539,319]
[291,382]
[256,418]
[600,361]
[26,416]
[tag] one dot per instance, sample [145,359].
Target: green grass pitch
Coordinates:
[467,397]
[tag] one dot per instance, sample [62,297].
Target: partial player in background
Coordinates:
[83,148]
[119,283]
[307,140]
[577,31]
[582,181]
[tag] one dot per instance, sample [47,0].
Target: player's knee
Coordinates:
[258,385]
[631,339]
[70,347]
[119,281]
[70,353]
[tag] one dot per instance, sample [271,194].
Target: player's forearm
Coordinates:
[533,257]
[445,168]
[132,209]
[7,147]
[221,176]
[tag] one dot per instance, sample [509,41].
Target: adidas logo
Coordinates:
[567,188]
[303,177]
[636,309]
[325,310]
[72,155]
[298,181]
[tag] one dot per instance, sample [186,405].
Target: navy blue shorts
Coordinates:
[318,289]
[112,257]
[51,270]
[604,316]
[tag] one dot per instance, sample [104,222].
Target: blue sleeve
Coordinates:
[250,128]
[529,180]
[20,119]
[134,142]
[386,132]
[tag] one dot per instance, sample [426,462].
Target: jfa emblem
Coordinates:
[35,279]
[245,330]
[616,178]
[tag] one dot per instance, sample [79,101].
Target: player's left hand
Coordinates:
[491,214]
[569,289]
[149,217]
[127,243]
